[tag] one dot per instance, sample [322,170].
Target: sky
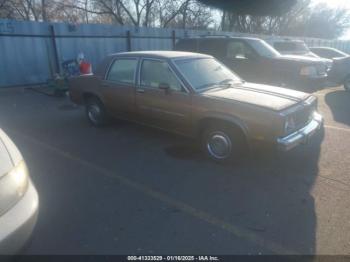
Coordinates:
[334,3]
[337,4]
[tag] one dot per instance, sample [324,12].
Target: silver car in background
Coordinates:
[19,199]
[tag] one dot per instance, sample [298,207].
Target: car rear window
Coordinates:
[123,71]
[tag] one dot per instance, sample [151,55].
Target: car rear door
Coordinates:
[118,87]
[169,109]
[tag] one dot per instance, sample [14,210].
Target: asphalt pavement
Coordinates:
[129,189]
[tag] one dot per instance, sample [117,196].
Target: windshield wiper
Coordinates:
[226,83]
[229,82]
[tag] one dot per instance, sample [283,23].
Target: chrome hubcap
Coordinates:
[94,113]
[219,145]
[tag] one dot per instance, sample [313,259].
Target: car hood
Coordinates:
[300,58]
[9,154]
[270,97]
[9,158]
[341,59]
[299,53]
[5,160]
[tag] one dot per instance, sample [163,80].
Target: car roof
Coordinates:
[160,54]
[285,40]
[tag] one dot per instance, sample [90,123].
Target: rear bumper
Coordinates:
[302,135]
[17,224]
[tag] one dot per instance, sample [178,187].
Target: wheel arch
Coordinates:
[88,95]
[227,119]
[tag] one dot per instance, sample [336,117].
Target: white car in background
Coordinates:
[19,199]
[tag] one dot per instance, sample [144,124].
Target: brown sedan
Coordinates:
[197,96]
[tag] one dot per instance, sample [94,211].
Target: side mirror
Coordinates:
[164,86]
[240,57]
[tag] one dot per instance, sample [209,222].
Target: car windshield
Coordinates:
[338,53]
[203,73]
[330,52]
[263,48]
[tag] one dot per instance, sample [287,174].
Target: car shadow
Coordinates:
[184,151]
[339,103]
[268,198]
[269,193]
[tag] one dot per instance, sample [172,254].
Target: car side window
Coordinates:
[155,73]
[327,54]
[214,47]
[123,70]
[238,50]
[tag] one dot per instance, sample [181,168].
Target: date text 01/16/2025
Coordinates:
[172,258]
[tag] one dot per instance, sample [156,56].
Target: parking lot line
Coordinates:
[338,128]
[187,209]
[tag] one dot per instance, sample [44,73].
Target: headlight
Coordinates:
[19,178]
[289,124]
[308,71]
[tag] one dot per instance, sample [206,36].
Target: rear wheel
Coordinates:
[223,142]
[95,112]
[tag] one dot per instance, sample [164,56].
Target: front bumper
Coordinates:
[312,84]
[17,224]
[302,135]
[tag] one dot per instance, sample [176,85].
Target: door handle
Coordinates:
[140,90]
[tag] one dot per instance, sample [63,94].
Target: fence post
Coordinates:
[128,40]
[53,39]
[173,37]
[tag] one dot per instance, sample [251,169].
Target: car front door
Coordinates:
[118,87]
[243,60]
[161,99]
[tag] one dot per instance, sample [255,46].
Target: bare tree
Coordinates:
[164,13]
[191,15]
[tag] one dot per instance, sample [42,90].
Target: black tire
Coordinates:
[95,112]
[347,84]
[223,143]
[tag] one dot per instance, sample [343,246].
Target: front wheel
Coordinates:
[223,143]
[95,112]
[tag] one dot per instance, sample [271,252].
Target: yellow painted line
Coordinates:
[202,215]
[338,128]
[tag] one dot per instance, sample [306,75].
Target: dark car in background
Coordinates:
[340,72]
[256,61]
[291,47]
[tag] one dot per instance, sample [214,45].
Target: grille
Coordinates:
[303,116]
